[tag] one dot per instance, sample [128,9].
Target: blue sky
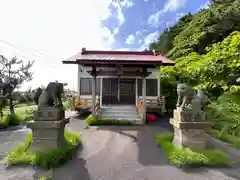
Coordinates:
[49,31]
[145,19]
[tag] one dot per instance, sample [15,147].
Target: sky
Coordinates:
[49,31]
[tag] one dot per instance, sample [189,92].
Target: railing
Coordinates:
[158,103]
[162,103]
[97,106]
[76,102]
[139,107]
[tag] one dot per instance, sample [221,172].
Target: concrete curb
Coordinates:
[231,151]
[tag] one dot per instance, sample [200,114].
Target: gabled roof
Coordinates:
[93,56]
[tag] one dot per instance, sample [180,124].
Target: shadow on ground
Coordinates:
[148,151]
[74,169]
[80,116]
[13,128]
[150,154]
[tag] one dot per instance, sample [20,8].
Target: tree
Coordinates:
[14,72]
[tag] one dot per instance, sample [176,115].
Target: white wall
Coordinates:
[154,75]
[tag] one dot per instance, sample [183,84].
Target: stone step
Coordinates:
[119,118]
[123,107]
[119,113]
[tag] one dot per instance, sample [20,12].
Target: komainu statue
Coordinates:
[51,96]
[189,99]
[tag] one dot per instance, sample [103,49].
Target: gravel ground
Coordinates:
[111,153]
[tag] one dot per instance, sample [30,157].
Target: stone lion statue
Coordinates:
[51,96]
[189,99]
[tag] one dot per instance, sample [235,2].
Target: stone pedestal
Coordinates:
[48,129]
[189,129]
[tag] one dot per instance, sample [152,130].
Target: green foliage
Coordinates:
[19,117]
[224,113]
[165,40]
[210,71]
[185,156]
[92,121]
[14,72]
[48,159]
[234,140]
[206,47]
[67,105]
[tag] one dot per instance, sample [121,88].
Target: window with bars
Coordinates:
[86,86]
[151,85]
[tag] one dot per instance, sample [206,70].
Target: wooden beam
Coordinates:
[125,73]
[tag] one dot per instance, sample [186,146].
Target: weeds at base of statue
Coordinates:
[49,120]
[189,119]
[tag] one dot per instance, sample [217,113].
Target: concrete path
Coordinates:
[112,153]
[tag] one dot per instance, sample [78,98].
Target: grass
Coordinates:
[24,104]
[234,140]
[67,105]
[93,121]
[187,157]
[224,114]
[48,159]
[20,117]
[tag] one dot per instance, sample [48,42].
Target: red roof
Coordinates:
[126,56]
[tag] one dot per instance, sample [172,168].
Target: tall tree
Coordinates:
[14,72]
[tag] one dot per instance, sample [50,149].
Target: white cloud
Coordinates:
[126,3]
[174,20]
[154,19]
[138,33]
[174,5]
[123,49]
[130,39]
[56,28]
[107,36]
[149,39]
[116,30]
[170,6]
[204,6]
[145,0]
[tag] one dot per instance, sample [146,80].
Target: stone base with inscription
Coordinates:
[189,129]
[48,129]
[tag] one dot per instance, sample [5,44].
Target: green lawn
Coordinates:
[185,156]
[93,121]
[21,155]
[21,116]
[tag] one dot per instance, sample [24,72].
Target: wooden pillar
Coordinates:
[94,79]
[136,90]
[101,86]
[159,83]
[158,87]
[144,99]
[78,81]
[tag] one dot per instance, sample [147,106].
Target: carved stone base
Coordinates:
[189,129]
[51,114]
[195,139]
[47,134]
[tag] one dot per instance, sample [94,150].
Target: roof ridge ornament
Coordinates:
[84,49]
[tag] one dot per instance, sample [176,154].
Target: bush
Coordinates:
[48,159]
[224,113]
[92,120]
[185,156]
[67,105]
[11,120]
[234,140]
[18,118]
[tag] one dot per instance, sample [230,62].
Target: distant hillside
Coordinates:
[193,32]
[205,44]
